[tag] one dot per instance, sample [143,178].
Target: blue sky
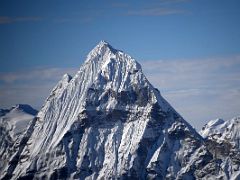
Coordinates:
[189,49]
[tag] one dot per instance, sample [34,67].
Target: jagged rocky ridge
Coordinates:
[108,121]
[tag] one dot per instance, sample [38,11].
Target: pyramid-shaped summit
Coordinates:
[108,121]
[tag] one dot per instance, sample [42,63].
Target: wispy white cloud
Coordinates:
[200,89]
[194,72]
[33,94]
[9,20]
[158,8]
[40,74]
[159,11]
[30,87]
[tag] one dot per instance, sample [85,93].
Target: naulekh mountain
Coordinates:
[109,122]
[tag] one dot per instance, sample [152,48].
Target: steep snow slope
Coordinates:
[108,121]
[13,124]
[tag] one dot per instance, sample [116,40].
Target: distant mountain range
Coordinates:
[109,122]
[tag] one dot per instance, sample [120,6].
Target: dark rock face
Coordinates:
[136,96]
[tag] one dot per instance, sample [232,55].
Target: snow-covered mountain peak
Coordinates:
[14,126]
[19,108]
[16,119]
[103,52]
[110,68]
[24,108]
[103,43]
[210,127]
[100,49]
[109,122]
[222,130]
[215,122]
